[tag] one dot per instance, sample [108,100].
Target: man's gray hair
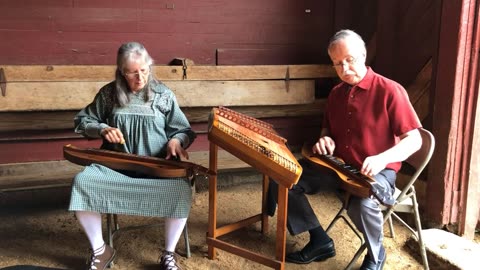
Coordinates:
[346,34]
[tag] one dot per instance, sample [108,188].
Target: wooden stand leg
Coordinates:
[266,181]
[215,232]
[281,225]
[212,200]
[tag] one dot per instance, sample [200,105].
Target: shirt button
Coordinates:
[348,130]
[346,146]
[351,96]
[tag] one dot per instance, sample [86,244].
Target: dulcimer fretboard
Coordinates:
[353,180]
[152,166]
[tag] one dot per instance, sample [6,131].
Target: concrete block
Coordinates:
[458,252]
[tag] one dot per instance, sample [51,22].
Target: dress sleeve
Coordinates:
[93,118]
[177,125]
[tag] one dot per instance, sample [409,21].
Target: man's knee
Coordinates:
[361,207]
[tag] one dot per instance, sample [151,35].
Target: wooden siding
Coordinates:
[89,32]
[35,126]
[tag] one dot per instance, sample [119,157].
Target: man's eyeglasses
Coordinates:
[349,61]
[132,75]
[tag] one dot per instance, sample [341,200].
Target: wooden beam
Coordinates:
[469,198]
[453,189]
[58,120]
[105,73]
[419,91]
[50,96]
[421,83]
[242,93]
[259,72]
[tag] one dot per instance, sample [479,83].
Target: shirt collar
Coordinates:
[367,81]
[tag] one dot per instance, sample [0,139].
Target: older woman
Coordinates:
[133,114]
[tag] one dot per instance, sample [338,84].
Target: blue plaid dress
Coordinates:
[147,127]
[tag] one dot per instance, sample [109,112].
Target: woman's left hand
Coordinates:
[174,149]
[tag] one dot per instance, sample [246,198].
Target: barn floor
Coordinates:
[43,235]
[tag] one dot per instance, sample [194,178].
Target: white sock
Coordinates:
[173,231]
[91,223]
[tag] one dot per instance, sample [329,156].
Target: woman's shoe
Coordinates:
[168,261]
[100,262]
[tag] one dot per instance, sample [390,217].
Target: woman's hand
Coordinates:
[112,135]
[324,146]
[174,149]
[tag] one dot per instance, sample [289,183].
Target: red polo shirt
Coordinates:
[366,119]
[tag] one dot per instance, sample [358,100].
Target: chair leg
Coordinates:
[390,225]
[110,234]
[115,221]
[356,256]
[187,242]
[109,230]
[342,214]
[418,224]
[113,227]
[335,219]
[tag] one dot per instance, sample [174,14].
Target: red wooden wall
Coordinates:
[217,31]
[206,31]
[223,32]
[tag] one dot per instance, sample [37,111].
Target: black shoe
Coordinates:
[369,264]
[311,253]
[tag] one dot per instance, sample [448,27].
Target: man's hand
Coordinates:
[112,135]
[373,165]
[324,146]
[174,149]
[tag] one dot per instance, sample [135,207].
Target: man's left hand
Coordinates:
[373,165]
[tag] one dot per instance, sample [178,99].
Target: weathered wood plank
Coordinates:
[419,91]
[58,120]
[49,96]
[274,55]
[421,83]
[259,72]
[104,73]
[238,93]
[20,121]
[41,145]
[77,73]
[422,103]
[316,108]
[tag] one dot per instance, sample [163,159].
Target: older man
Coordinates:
[370,123]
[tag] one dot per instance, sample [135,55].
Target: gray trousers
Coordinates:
[364,212]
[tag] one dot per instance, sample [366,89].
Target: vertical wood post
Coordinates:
[452,188]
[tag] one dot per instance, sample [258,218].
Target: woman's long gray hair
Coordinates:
[127,52]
